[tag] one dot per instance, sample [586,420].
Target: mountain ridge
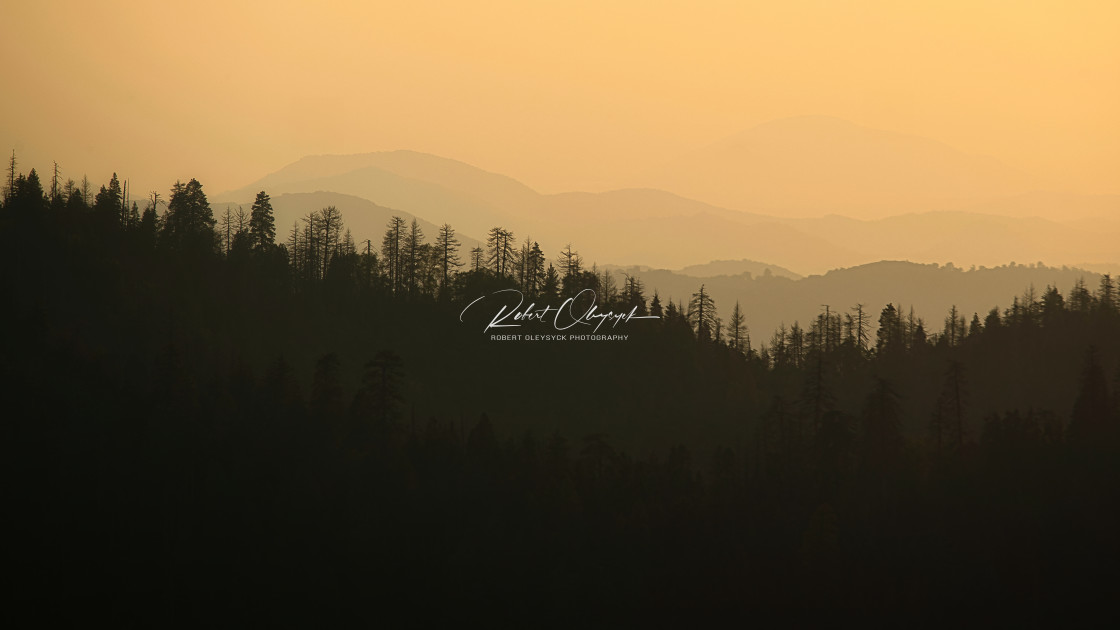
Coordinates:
[665,229]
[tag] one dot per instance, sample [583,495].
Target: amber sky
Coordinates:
[562,95]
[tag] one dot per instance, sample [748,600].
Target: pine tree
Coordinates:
[189,223]
[10,184]
[889,338]
[1080,299]
[262,223]
[1053,306]
[701,314]
[499,248]
[413,257]
[447,249]
[737,331]
[550,288]
[1106,295]
[391,246]
[108,201]
[633,297]
[992,321]
[608,292]
[149,222]
[530,267]
[954,327]
[329,233]
[654,304]
[975,327]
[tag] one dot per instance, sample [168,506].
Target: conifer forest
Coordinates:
[211,416]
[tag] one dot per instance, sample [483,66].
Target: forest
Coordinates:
[210,414]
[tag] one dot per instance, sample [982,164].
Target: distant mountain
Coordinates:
[483,186]
[418,197]
[659,229]
[364,219]
[769,301]
[1112,269]
[634,204]
[814,165]
[969,238]
[736,268]
[628,226]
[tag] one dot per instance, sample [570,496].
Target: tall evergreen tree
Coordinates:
[447,250]
[1107,296]
[108,201]
[413,262]
[10,184]
[262,223]
[701,314]
[633,295]
[654,304]
[737,334]
[550,288]
[391,246]
[499,251]
[189,223]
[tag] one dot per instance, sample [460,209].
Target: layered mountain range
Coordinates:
[806,195]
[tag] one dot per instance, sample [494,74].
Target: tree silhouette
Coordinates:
[391,253]
[413,258]
[571,263]
[447,250]
[499,247]
[633,295]
[654,304]
[109,201]
[262,223]
[188,225]
[10,184]
[702,314]
[550,287]
[737,335]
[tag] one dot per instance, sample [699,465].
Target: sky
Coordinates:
[565,95]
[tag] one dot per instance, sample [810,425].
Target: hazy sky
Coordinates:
[561,95]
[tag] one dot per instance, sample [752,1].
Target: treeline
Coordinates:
[206,417]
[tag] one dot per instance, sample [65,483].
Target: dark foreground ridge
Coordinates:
[202,424]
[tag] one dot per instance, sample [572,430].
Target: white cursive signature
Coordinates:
[564,317]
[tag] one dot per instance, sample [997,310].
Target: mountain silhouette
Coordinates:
[660,229]
[769,301]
